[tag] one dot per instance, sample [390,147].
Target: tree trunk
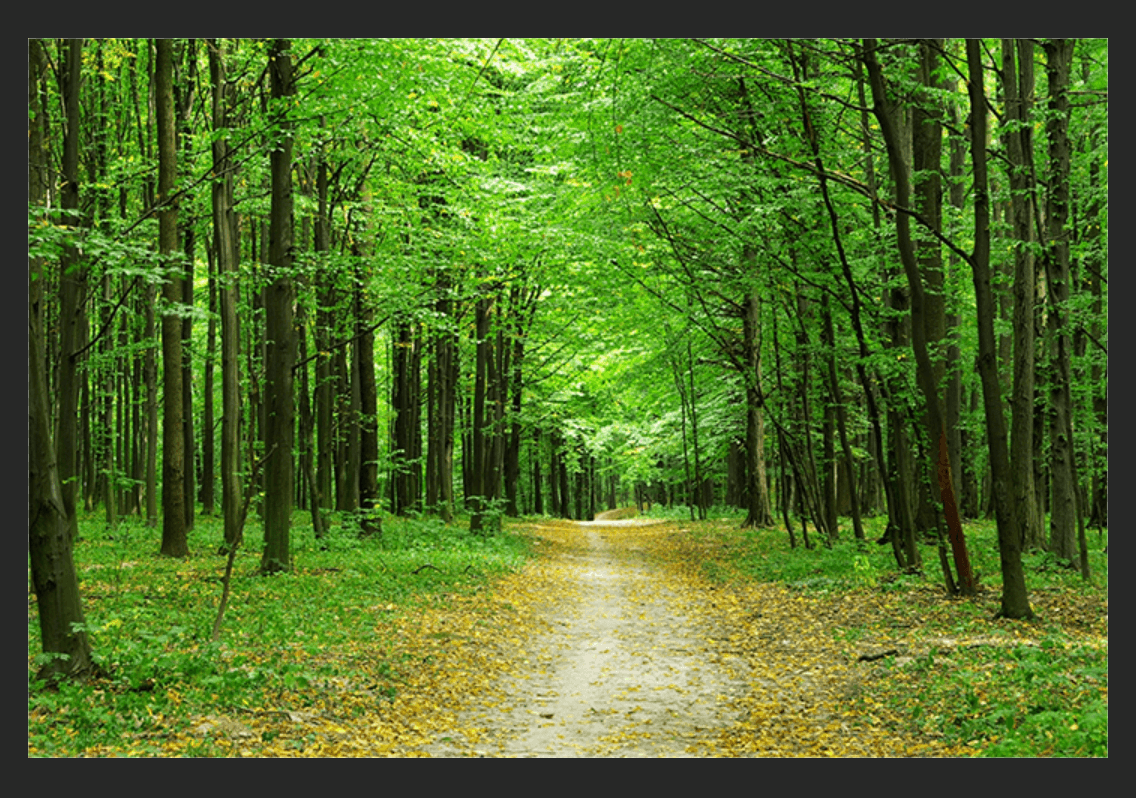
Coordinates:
[482,379]
[370,522]
[1018,87]
[325,377]
[208,473]
[936,427]
[1063,515]
[513,445]
[63,639]
[307,430]
[1015,601]
[280,353]
[537,478]
[842,424]
[174,542]
[72,290]
[406,479]
[227,251]
[758,513]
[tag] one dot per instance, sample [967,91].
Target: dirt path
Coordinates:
[625,667]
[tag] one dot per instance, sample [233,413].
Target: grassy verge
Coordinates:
[339,618]
[939,666]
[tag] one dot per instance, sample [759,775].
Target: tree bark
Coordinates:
[72,290]
[936,427]
[63,639]
[758,513]
[226,246]
[1017,77]
[280,352]
[208,451]
[174,542]
[1063,514]
[370,522]
[1015,601]
[442,378]
[325,376]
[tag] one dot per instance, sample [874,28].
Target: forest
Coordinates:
[400,298]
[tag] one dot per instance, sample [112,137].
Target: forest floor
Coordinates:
[638,656]
[624,664]
[623,637]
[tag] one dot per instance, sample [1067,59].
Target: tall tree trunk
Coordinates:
[841,421]
[1063,515]
[325,376]
[227,251]
[346,434]
[954,390]
[554,475]
[927,159]
[480,480]
[174,542]
[1017,77]
[442,379]
[758,513]
[537,478]
[370,523]
[513,440]
[72,289]
[1098,373]
[307,430]
[208,473]
[925,372]
[184,94]
[187,381]
[280,354]
[59,606]
[1015,601]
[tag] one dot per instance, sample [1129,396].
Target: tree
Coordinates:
[1018,87]
[936,427]
[66,648]
[174,542]
[226,248]
[279,299]
[1015,601]
[1063,508]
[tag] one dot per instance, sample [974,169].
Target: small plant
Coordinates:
[864,571]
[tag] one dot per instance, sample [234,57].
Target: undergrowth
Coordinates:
[150,619]
[996,687]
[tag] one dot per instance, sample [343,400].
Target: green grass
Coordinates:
[1040,688]
[1047,698]
[150,618]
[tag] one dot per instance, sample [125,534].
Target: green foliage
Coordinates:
[150,618]
[993,687]
[1043,699]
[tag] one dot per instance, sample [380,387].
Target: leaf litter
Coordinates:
[610,643]
[628,651]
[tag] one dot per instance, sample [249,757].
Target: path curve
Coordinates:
[626,666]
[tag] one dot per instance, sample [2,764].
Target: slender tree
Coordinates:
[279,298]
[936,428]
[66,648]
[1063,509]
[72,290]
[174,541]
[1015,600]
[1017,79]
[226,247]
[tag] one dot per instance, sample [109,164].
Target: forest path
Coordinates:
[626,665]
